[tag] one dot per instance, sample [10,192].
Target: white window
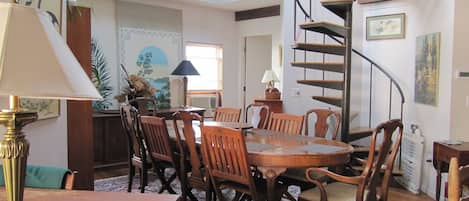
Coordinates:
[208,60]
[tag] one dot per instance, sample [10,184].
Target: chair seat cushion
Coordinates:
[42,177]
[335,192]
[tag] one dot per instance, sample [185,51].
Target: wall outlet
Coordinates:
[295,92]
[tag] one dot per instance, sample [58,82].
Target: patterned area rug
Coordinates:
[119,184]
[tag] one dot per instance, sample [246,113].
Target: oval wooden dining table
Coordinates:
[273,152]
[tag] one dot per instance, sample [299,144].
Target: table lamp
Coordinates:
[35,62]
[185,68]
[269,78]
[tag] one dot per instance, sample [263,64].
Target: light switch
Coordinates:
[467,101]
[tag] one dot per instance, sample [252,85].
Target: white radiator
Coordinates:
[412,161]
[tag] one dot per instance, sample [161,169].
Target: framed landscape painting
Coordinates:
[385,27]
[427,69]
[44,107]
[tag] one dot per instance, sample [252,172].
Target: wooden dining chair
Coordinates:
[296,176]
[224,114]
[286,123]
[145,105]
[369,180]
[456,177]
[137,157]
[321,126]
[160,150]
[257,115]
[195,177]
[225,156]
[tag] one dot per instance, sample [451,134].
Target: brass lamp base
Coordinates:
[14,150]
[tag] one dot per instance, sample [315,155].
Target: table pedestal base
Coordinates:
[270,175]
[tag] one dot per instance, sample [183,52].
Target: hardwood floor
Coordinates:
[395,193]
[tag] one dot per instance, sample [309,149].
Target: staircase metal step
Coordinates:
[359,133]
[337,101]
[331,84]
[326,28]
[323,48]
[338,7]
[333,67]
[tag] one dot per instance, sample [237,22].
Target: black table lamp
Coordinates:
[185,68]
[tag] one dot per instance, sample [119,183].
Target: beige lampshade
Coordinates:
[35,60]
[269,76]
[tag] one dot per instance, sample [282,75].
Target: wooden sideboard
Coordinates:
[442,154]
[275,105]
[110,141]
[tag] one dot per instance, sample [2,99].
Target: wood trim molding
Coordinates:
[257,13]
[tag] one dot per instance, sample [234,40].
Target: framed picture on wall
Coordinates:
[385,27]
[45,108]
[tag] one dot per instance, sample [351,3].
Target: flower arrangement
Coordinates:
[137,87]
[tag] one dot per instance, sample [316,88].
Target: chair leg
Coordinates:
[165,183]
[142,180]
[131,177]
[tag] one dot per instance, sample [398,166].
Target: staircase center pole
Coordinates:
[347,77]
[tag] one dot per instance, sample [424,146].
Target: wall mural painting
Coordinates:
[427,69]
[45,108]
[152,55]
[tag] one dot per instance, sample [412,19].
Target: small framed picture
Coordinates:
[385,27]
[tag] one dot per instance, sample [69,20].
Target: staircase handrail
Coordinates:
[362,56]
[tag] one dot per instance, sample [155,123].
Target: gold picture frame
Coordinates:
[45,108]
[385,27]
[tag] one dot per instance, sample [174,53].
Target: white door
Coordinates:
[258,58]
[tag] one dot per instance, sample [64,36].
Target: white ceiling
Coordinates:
[233,5]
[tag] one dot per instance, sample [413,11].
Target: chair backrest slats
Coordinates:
[322,126]
[227,114]
[286,123]
[190,139]
[259,115]
[129,119]
[456,177]
[156,135]
[225,154]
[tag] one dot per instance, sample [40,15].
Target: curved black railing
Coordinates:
[373,65]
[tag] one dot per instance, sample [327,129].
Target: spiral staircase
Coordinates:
[342,35]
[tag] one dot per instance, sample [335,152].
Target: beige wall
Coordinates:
[460,90]
[257,27]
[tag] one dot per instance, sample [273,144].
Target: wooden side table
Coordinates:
[442,153]
[275,105]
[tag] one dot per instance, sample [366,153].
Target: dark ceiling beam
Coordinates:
[258,13]
[369,1]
